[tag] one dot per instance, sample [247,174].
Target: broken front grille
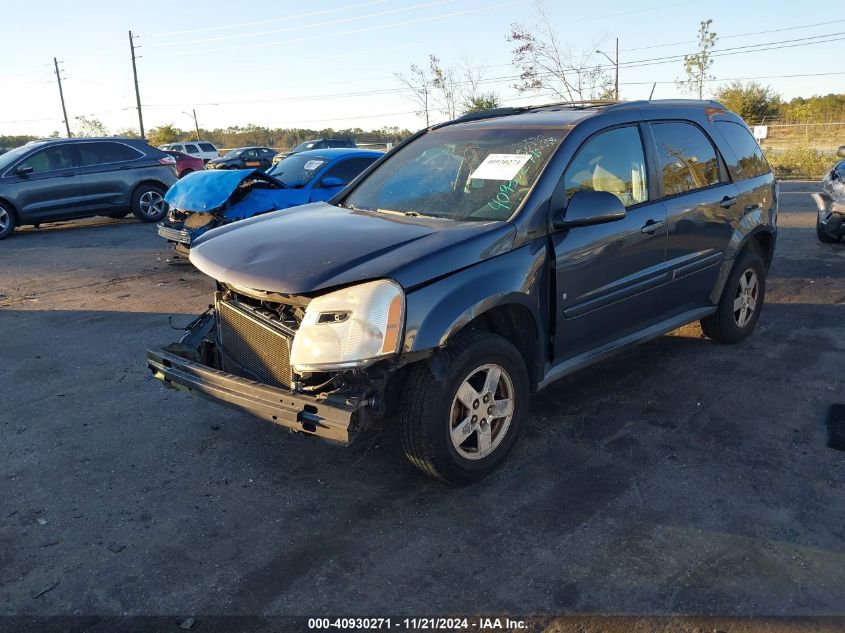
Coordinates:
[253,346]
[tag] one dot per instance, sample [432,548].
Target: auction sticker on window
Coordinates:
[500,166]
[311,165]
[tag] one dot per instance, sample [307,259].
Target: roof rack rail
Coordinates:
[483,114]
[580,104]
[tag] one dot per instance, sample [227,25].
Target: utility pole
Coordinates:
[137,93]
[193,115]
[617,69]
[62,96]
[616,64]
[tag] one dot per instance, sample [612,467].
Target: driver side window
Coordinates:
[611,161]
[50,159]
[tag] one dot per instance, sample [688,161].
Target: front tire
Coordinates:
[148,203]
[822,235]
[741,303]
[7,221]
[459,426]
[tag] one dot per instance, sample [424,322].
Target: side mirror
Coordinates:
[331,181]
[587,208]
[841,151]
[23,170]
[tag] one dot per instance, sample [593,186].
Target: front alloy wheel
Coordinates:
[481,412]
[7,222]
[459,418]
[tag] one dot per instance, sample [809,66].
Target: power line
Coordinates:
[269,20]
[367,29]
[727,37]
[313,25]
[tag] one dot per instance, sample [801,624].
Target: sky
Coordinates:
[332,63]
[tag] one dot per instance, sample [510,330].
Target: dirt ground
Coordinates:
[683,477]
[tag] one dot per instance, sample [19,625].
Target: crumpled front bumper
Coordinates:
[180,236]
[831,214]
[334,419]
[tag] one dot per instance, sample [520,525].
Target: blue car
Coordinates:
[205,200]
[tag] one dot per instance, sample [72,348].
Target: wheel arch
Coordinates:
[761,238]
[503,296]
[15,212]
[148,181]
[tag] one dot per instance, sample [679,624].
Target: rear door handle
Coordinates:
[651,227]
[727,202]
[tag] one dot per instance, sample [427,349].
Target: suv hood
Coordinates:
[318,246]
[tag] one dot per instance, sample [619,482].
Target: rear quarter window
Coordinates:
[750,161]
[207,147]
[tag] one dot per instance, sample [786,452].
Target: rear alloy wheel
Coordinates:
[741,302]
[148,203]
[459,426]
[7,221]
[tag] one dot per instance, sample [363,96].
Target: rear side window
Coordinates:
[348,169]
[611,161]
[105,152]
[207,147]
[750,159]
[687,158]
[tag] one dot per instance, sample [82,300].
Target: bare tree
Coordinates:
[419,85]
[546,64]
[698,64]
[444,81]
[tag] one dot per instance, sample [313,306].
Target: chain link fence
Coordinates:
[802,150]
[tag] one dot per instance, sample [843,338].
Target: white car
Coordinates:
[197,149]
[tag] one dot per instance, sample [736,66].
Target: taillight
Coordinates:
[166,160]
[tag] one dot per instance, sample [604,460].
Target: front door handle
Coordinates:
[650,227]
[68,174]
[727,202]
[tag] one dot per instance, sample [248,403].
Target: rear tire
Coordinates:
[741,303]
[7,221]
[449,425]
[148,203]
[185,172]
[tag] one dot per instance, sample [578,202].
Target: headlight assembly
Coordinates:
[350,327]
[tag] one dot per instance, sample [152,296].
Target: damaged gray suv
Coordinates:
[478,262]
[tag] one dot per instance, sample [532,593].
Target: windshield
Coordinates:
[12,155]
[234,153]
[304,146]
[461,174]
[297,170]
